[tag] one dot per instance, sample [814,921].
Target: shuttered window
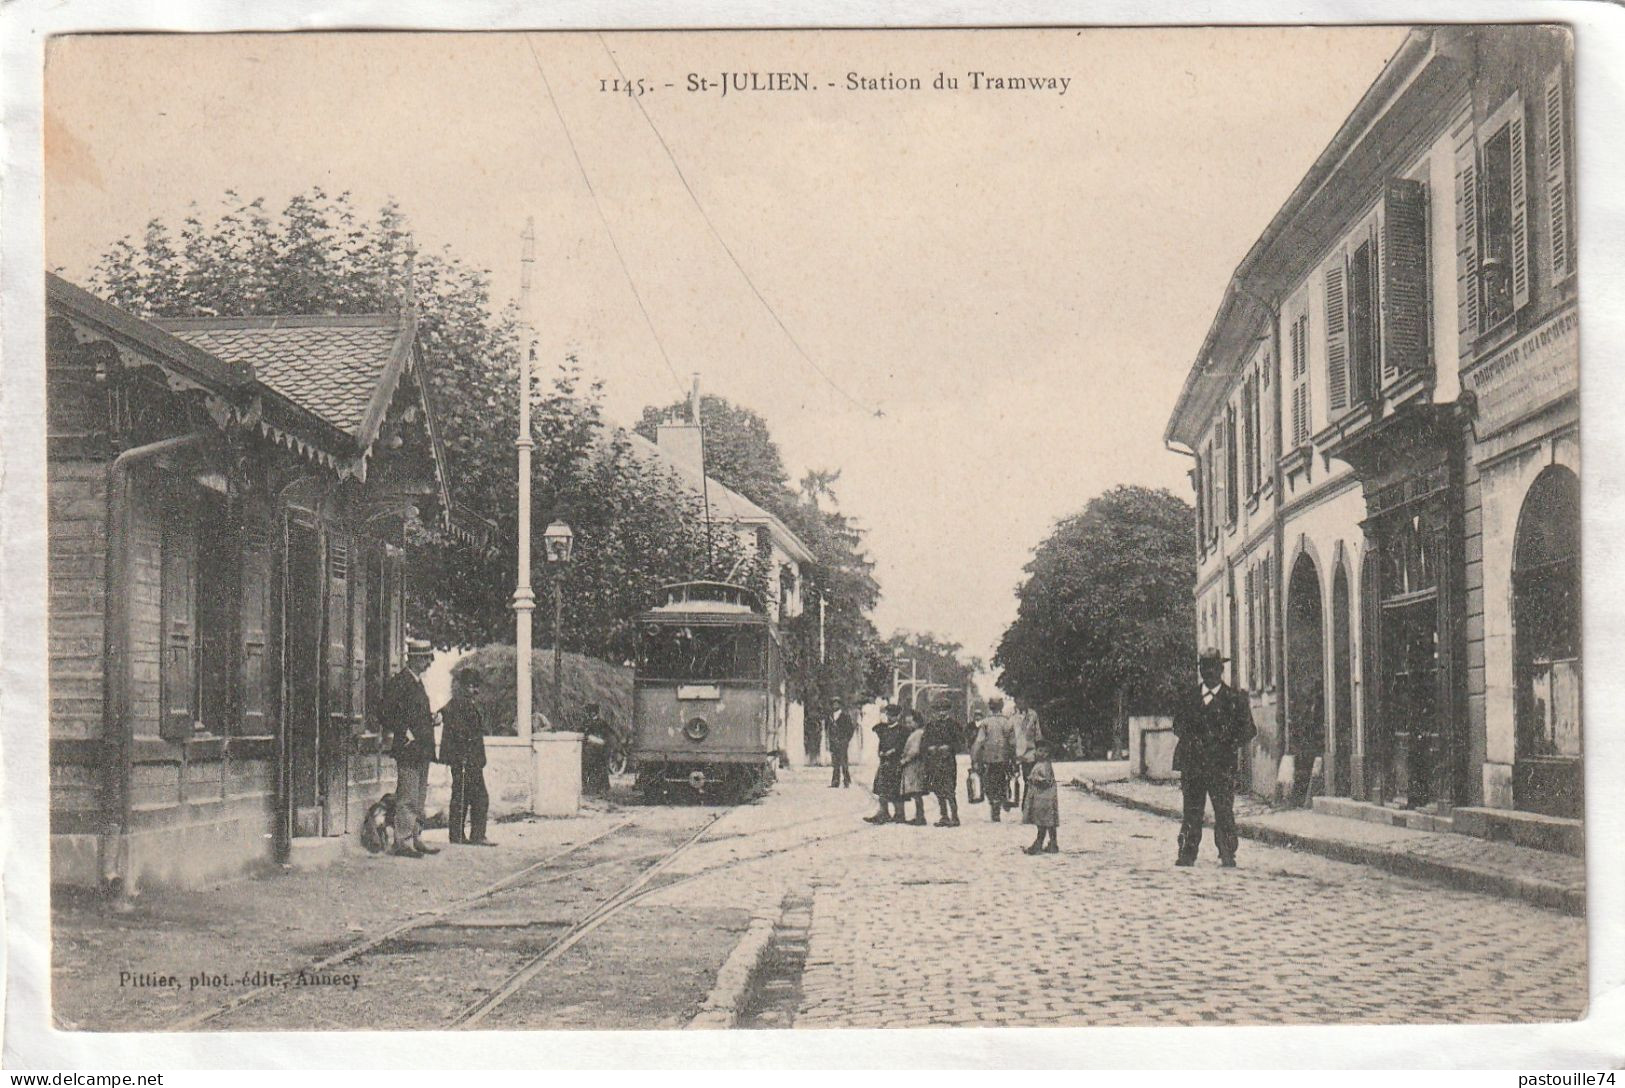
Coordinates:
[1266,592]
[336,660]
[1250,595]
[178,618]
[1404,278]
[255,603]
[1469,288]
[1199,481]
[1337,335]
[1362,317]
[1209,486]
[1231,488]
[1298,341]
[1250,432]
[1558,182]
[1503,217]
[358,641]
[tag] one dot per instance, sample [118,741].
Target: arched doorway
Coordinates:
[1305,672]
[1341,772]
[1546,646]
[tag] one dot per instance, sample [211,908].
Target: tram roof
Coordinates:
[714,597]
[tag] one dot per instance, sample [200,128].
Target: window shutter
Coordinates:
[1267,591]
[1250,426]
[1468,288]
[256,588]
[395,594]
[1337,335]
[1252,626]
[358,642]
[178,584]
[1232,484]
[1557,175]
[1201,508]
[1404,278]
[1220,459]
[1520,210]
[1298,341]
[336,663]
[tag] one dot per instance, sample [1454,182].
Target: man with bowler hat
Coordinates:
[404,713]
[1212,721]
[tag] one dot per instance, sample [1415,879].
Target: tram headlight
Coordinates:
[697,729]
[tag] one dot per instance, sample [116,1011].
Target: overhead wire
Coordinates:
[726,248]
[602,218]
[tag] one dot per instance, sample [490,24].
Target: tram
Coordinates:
[707,689]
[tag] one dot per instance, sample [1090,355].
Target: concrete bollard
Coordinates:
[556,765]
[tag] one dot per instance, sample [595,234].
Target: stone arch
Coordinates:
[1341,649]
[1305,650]
[1546,644]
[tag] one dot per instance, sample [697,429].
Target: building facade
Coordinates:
[1383,421]
[228,504]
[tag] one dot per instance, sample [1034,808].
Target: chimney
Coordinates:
[682,441]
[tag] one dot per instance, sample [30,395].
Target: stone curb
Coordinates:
[723,1005]
[1541,893]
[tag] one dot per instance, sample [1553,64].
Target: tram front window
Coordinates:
[702,653]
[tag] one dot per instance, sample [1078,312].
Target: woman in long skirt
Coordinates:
[889,738]
[912,785]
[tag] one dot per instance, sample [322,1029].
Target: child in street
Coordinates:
[1041,806]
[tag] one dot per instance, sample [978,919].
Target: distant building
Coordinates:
[228,499]
[1384,422]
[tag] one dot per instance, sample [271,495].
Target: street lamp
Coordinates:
[556,541]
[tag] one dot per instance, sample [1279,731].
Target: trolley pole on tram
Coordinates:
[524,599]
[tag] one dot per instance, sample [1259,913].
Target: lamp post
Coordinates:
[556,542]
[524,600]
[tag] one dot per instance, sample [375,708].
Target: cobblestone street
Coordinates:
[926,926]
[891,926]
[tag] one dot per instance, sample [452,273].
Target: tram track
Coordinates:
[619,901]
[645,882]
[368,943]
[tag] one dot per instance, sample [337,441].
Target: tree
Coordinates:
[634,524]
[1106,621]
[844,658]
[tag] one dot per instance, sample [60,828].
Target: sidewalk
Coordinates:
[1541,877]
[277,923]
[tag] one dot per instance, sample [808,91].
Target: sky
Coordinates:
[1016,280]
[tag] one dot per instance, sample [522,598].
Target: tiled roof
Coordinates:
[329,366]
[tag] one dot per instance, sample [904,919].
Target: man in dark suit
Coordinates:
[403,711]
[1212,722]
[841,728]
[462,748]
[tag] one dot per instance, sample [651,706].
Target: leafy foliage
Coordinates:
[740,451]
[635,526]
[1106,616]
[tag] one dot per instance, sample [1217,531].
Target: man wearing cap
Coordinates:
[404,712]
[1212,721]
[462,748]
